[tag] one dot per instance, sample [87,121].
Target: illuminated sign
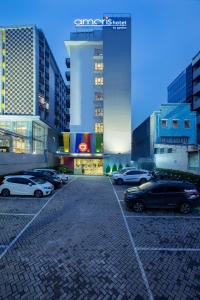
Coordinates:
[105,22]
[83,147]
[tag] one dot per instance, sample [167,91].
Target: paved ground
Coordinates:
[82,243]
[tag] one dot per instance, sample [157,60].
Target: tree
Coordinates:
[108,169]
[120,166]
[114,168]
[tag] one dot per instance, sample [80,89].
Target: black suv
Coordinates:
[163,194]
[55,181]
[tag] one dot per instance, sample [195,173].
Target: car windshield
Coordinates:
[122,171]
[146,186]
[38,180]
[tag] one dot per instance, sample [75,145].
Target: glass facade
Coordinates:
[181,89]
[22,137]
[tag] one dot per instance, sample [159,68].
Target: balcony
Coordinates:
[67,62]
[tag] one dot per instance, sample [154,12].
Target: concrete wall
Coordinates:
[177,160]
[14,162]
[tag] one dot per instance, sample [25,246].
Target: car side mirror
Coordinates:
[30,184]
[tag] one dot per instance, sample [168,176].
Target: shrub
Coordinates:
[108,169]
[114,168]
[120,166]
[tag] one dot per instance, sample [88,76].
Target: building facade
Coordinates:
[34,99]
[170,135]
[100,90]
[186,88]
[33,95]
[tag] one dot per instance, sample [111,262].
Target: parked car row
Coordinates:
[152,192]
[36,182]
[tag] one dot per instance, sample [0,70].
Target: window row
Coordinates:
[174,140]
[175,123]
[164,150]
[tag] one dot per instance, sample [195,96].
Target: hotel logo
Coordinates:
[105,22]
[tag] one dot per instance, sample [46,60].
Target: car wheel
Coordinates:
[38,194]
[143,180]
[5,193]
[185,208]
[119,181]
[138,206]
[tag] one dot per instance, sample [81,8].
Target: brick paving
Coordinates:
[77,248]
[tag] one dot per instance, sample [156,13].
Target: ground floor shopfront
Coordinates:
[83,165]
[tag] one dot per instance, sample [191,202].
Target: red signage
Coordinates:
[83,147]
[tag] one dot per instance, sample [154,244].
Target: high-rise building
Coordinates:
[100,90]
[34,100]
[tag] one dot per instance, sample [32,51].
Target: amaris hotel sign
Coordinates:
[115,23]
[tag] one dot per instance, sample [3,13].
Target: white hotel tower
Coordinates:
[100,90]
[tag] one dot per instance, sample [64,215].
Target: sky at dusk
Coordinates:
[165,37]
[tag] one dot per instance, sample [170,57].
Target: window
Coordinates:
[98,80]
[98,66]
[158,190]
[98,52]
[99,112]
[98,127]
[162,150]
[174,189]
[175,123]
[187,123]
[169,150]
[156,151]
[164,123]
[99,96]
[19,180]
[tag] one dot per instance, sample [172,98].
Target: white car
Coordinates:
[123,170]
[139,176]
[53,173]
[25,185]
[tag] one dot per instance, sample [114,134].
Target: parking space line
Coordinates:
[31,221]
[160,216]
[169,249]
[15,214]
[144,277]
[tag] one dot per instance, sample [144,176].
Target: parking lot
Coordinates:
[83,243]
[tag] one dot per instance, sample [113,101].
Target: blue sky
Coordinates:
[165,36]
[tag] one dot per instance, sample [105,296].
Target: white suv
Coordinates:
[52,172]
[139,176]
[25,185]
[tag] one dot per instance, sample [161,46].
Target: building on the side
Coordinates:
[180,90]
[169,138]
[34,99]
[99,72]
[186,88]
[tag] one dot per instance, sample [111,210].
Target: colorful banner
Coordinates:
[83,143]
[66,142]
[99,143]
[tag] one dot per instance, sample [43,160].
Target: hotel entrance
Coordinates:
[86,166]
